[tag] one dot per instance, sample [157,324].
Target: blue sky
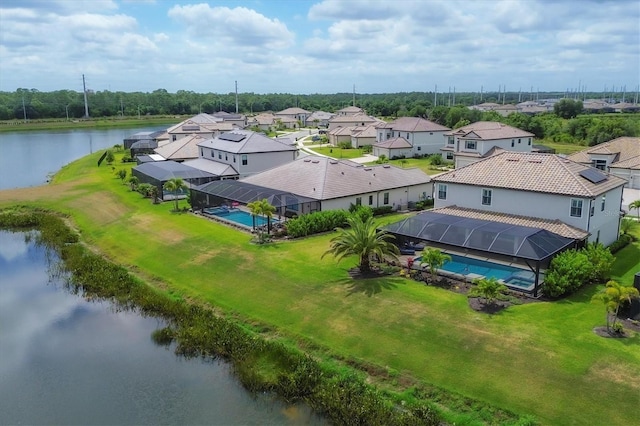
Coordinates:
[320,46]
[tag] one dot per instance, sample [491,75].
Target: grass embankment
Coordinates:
[540,358]
[112,123]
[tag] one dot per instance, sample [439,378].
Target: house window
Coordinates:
[486,197]
[529,141]
[358,201]
[471,145]
[174,137]
[449,155]
[213,154]
[518,140]
[234,158]
[512,143]
[386,198]
[419,148]
[604,197]
[450,140]
[407,136]
[442,191]
[201,152]
[576,208]
[220,155]
[226,157]
[370,200]
[244,159]
[599,164]
[592,210]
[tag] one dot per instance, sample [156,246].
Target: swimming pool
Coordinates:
[521,279]
[238,216]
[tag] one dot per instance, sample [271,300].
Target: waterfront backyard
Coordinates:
[541,358]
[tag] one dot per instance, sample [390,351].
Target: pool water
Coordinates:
[238,216]
[513,277]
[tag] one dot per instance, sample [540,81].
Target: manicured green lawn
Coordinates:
[338,153]
[539,358]
[563,148]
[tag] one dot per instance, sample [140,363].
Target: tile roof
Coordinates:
[293,111]
[252,142]
[415,124]
[212,166]
[394,143]
[490,130]
[323,178]
[356,118]
[552,225]
[190,126]
[181,149]
[524,171]
[350,110]
[626,149]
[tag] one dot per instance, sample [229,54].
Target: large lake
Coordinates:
[65,360]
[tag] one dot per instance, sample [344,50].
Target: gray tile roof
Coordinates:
[415,124]
[394,143]
[252,142]
[212,166]
[165,170]
[547,173]
[356,118]
[323,178]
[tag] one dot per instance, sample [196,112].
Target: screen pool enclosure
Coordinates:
[485,238]
[237,216]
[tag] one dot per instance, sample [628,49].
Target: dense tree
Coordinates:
[567,108]
[363,240]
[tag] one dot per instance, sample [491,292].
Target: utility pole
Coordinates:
[121,108]
[86,103]
[236,96]
[435,96]
[481,92]
[454,95]
[354,95]
[24,110]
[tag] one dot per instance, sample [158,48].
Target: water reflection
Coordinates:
[64,360]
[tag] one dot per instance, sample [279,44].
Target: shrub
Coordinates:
[620,243]
[379,211]
[601,261]
[345,145]
[316,222]
[435,159]
[568,271]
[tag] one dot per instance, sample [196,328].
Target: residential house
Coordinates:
[355,120]
[247,152]
[297,116]
[207,128]
[238,120]
[425,137]
[334,184]
[264,121]
[620,157]
[185,148]
[350,110]
[475,141]
[319,119]
[355,136]
[542,186]
[397,147]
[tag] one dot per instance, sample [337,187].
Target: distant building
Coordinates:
[620,157]
[424,137]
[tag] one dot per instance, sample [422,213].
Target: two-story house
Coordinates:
[203,125]
[296,116]
[247,152]
[544,186]
[475,141]
[356,120]
[620,157]
[425,137]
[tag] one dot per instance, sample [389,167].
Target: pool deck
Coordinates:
[472,276]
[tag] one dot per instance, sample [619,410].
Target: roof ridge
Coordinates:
[563,163]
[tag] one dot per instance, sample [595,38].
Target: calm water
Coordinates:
[64,360]
[27,158]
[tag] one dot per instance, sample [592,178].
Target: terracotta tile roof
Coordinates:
[350,110]
[323,178]
[524,171]
[293,111]
[415,124]
[394,143]
[490,130]
[356,118]
[246,142]
[556,226]
[626,148]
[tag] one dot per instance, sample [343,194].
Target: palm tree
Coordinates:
[487,288]
[364,240]
[175,185]
[627,224]
[635,205]
[434,259]
[613,296]
[261,207]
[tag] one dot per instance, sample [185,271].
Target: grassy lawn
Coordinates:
[539,358]
[563,148]
[338,153]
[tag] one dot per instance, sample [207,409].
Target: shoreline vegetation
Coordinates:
[378,351]
[92,123]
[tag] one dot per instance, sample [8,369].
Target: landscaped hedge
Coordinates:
[620,243]
[572,269]
[313,223]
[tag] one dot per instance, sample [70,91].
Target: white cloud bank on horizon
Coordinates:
[319,47]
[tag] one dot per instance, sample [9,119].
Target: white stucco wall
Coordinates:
[541,205]
[428,142]
[397,197]
[256,162]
